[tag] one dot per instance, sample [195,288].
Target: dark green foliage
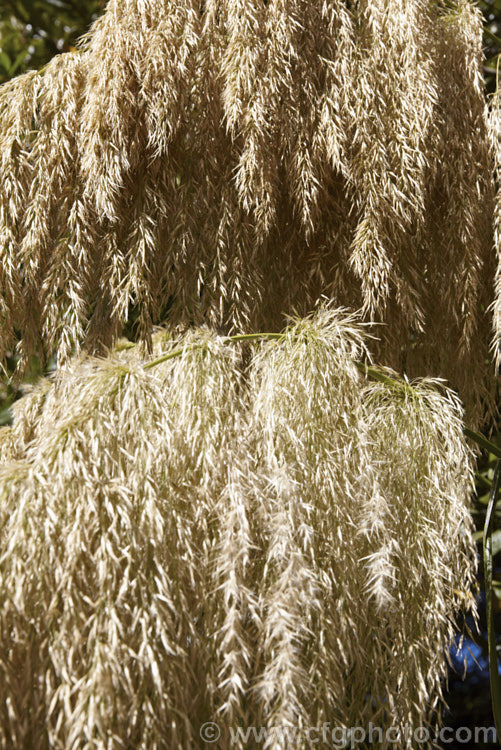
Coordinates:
[492,40]
[33,31]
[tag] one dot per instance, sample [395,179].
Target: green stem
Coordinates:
[491,633]
[226,340]
[482,442]
[375,374]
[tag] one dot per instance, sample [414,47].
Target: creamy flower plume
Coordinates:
[248,534]
[229,162]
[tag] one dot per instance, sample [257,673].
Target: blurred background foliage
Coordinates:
[491,10]
[31,33]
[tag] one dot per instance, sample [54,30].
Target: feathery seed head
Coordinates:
[231,162]
[258,540]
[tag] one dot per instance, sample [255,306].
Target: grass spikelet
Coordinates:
[167,69]
[238,623]
[96,481]
[17,109]
[54,280]
[303,410]
[400,36]
[421,501]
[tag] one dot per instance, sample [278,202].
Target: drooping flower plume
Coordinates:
[247,533]
[230,162]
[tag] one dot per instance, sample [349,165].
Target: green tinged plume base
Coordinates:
[228,162]
[251,534]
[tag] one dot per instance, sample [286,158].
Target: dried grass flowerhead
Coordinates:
[229,162]
[252,537]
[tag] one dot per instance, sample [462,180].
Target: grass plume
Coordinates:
[249,536]
[227,163]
